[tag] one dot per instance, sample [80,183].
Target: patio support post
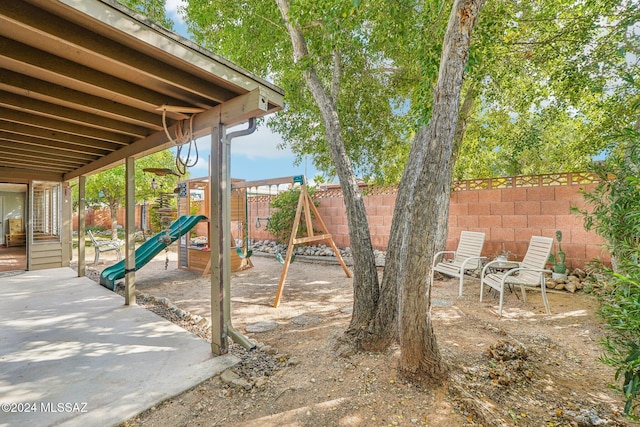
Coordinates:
[82,223]
[219,344]
[66,230]
[130,220]
[225,142]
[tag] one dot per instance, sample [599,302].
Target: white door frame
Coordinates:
[2,220]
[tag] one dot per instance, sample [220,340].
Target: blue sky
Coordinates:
[253,157]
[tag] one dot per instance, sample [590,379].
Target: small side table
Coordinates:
[502,267]
[15,239]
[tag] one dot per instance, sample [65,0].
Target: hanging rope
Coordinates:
[182,165]
[181,139]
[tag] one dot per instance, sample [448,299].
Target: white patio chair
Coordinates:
[466,257]
[104,246]
[530,273]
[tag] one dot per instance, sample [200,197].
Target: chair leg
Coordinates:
[118,253]
[546,302]
[461,280]
[501,300]
[543,288]
[97,257]
[481,287]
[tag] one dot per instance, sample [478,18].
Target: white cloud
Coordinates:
[203,162]
[171,6]
[262,144]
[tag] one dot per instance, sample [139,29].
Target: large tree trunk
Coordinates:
[419,227]
[365,276]
[383,331]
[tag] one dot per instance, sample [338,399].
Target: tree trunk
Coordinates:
[419,228]
[463,119]
[383,331]
[365,276]
[113,209]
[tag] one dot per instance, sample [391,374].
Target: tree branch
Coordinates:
[335,76]
[297,40]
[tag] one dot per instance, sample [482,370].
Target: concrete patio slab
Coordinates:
[72,354]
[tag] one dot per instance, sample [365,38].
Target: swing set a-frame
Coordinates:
[307,209]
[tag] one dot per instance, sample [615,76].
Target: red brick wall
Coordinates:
[508,216]
[102,218]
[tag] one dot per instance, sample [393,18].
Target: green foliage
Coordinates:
[282,217]
[152,9]
[107,188]
[621,310]
[614,202]
[552,79]
[380,60]
[613,214]
[558,259]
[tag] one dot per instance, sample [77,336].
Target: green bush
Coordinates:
[281,219]
[621,311]
[613,214]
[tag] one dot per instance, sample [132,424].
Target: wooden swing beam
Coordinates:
[262,182]
[305,204]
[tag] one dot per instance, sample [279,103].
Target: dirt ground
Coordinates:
[524,369]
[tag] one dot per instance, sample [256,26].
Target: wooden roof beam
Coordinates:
[52,93]
[236,111]
[24,176]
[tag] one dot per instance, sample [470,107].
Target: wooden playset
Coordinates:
[305,208]
[194,253]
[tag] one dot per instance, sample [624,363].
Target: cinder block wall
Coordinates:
[102,217]
[508,217]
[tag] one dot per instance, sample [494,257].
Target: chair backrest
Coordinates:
[15,226]
[536,257]
[93,239]
[470,245]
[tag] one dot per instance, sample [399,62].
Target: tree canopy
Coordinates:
[552,85]
[107,188]
[371,82]
[549,77]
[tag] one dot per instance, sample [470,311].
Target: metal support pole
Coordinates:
[130,248]
[226,233]
[82,223]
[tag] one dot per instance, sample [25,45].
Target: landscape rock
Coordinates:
[231,378]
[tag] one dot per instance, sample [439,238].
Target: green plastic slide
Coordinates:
[149,249]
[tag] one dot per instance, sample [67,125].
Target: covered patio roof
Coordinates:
[83,82]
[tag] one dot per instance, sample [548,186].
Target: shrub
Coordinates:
[621,311]
[615,217]
[281,218]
